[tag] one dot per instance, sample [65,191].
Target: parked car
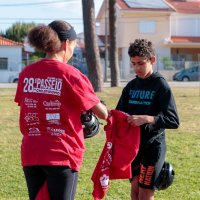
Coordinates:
[190,74]
[7,76]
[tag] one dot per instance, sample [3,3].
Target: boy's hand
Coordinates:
[138,120]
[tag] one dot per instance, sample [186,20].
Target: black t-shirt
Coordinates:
[151,96]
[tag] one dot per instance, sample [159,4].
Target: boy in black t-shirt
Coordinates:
[149,101]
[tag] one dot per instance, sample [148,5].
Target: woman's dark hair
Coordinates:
[45,38]
[142,48]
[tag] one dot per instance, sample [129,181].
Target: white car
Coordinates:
[8,76]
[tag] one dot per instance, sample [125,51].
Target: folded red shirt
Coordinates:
[120,149]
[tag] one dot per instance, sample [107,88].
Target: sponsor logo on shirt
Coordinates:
[34,131]
[104,169]
[104,180]
[31,118]
[52,105]
[30,103]
[55,131]
[50,85]
[53,118]
[109,145]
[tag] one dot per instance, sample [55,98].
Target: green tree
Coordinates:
[168,64]
[18,31]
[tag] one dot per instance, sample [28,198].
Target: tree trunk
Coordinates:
[91,46]
[114,63]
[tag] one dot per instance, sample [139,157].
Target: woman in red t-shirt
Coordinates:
[52,95]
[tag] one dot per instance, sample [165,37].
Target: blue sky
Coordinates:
[43,11]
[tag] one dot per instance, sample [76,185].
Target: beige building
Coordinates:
[173,26]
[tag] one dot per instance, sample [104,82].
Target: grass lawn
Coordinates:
[183,151]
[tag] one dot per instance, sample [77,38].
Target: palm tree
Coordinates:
[91,46]
[114,63]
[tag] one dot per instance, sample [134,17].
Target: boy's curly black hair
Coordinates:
[141,47]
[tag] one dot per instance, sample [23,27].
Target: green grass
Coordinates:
[183,151]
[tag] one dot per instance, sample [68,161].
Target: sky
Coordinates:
[43,11]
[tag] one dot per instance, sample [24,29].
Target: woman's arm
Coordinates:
[100,111]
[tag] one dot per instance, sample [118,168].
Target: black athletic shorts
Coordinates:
[61,181]
[149,161]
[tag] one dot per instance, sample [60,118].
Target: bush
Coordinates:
[168,64]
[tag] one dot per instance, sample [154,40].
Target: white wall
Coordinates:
[185,25]
[125,64]
[14,55]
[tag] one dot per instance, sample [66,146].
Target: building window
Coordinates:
[3,63]
[147,26]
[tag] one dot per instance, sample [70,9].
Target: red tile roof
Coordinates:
[122,4]
[181,39]
[186,6]
[8,42]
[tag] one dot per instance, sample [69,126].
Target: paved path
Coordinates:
[8,85]
[123,83]
[171,83]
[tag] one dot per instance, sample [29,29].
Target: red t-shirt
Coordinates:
[51,96]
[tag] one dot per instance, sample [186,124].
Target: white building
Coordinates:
[10,60]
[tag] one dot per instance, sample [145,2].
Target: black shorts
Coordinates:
[149,161]
[61,181]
